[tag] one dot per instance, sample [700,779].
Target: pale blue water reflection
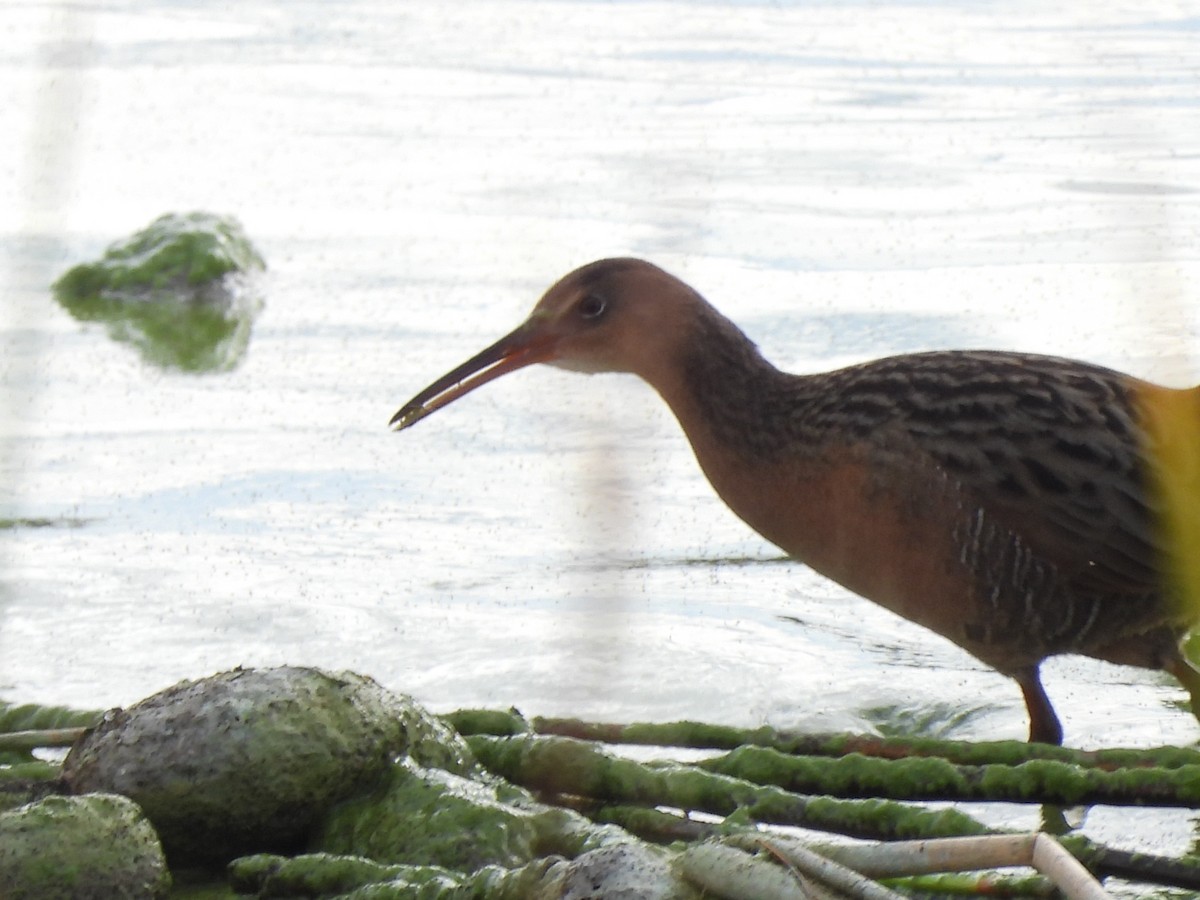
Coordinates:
[845,180]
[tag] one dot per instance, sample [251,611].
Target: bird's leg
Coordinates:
[1044,727]
[1189,677]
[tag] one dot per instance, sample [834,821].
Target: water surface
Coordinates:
[845,180]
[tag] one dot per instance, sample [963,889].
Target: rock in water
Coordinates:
[180,291]
[247,760]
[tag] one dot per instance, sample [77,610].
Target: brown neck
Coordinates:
[742,403]
[752,429]
[733,404]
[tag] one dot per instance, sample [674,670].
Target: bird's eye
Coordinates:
[592,306]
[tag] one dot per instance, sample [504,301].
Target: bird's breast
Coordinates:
[888,541]
[894,538]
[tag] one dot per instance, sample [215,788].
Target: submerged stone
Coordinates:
[180,291]
[246,761]
[94,847]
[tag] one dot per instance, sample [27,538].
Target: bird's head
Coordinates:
[614,315]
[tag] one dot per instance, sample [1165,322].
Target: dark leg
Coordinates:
[1188,677]
[1044,727]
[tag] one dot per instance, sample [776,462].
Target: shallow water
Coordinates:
[844,180]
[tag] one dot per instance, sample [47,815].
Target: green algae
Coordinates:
[432,823]
[685,733]
[975,885]
[624,870]
[172,252]
[487,721]
[850,776]
[33,770]
[920,778]
[31,717]
[576,768]
[430,817]
[178,291]
[655,825]
[24,728]
[426,816]
[78,848]
[887,820]
[325,874]
[588,770]
[700,735]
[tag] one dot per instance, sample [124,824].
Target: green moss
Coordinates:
[96,846]
[172,252]
[427,816]
[323,874]
[625,870]
[691,734]
[175,290]
[702,735]
[927,778]
[423,816]
[31,770]
[248,760]
[889,820]
[566,766]
[487,721]
[30,717]
[973,884]
[853,775]
[1034,780]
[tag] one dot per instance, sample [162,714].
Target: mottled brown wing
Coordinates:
[1051,446]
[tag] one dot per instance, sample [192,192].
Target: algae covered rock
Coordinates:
[624,871]
[78,848]
[180,291]
[429,817]
[325,875]
[246,761]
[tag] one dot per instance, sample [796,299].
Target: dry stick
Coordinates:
[25,741]
[663,828]
[809,886]
[1065,870]
[730,873]
[902,858]
[646,822]
[837,876]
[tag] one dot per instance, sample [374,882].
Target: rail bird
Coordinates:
[1006,501]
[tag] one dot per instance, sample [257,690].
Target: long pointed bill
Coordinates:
[515,350]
